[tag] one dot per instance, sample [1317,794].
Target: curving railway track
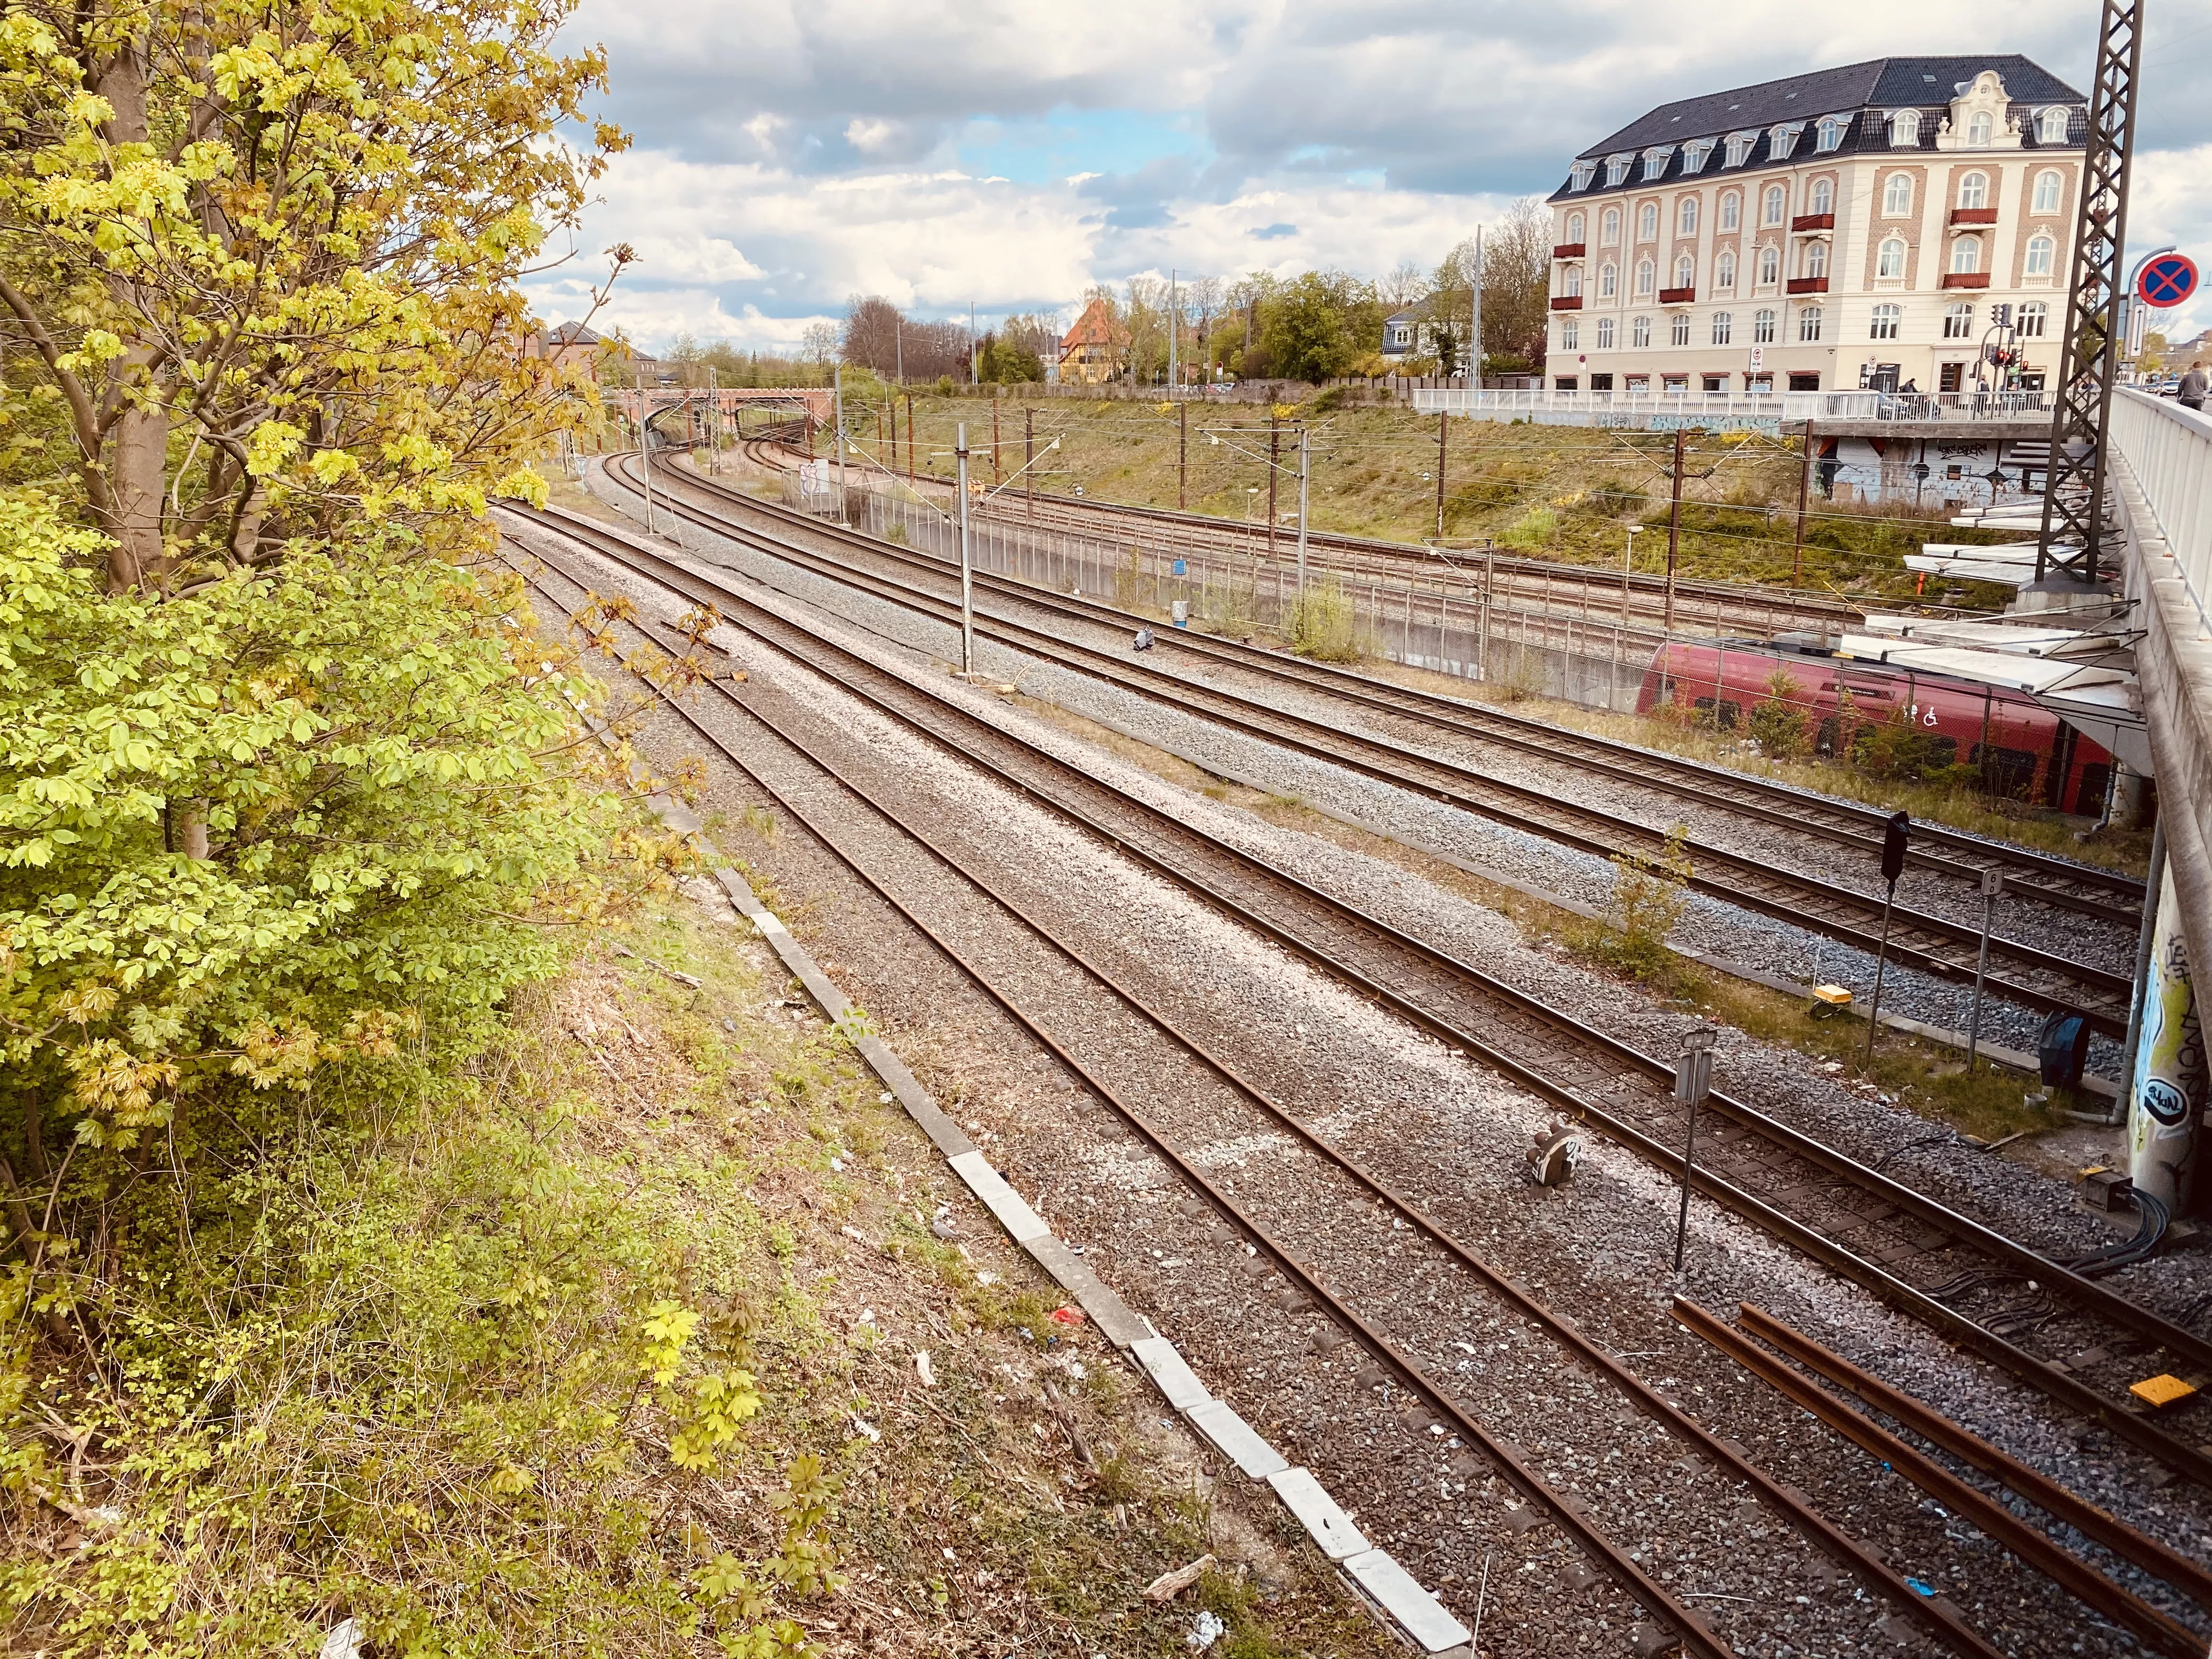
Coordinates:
[2074,1339]
[1942,945]
[1346,1217]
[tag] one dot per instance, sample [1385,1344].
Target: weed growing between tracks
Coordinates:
[602,1337]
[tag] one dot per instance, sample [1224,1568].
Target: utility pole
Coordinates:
[1029,460]
[1274,432]
[714,422]
[1175,329]
[891,403]
[1305,471]
[1804,493]
[995,473]
[1443,421]
[644,447]
[898,346]
[967,569]
[1674,539]
[975,367]
[909,441]
[2090,346]
[837,403]
[1475,322]
[1183,455]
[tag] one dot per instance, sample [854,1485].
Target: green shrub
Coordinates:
[1322,622]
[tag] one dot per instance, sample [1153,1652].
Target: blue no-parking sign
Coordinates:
[2167,280]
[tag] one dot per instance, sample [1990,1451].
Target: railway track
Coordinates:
[1347,1260]
[1729,606]
[2039,877]
[1943,947]
[2074,1339]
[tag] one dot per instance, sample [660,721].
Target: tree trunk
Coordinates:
[138,440]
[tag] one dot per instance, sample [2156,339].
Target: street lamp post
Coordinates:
[967,565]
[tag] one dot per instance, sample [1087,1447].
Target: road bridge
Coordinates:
[2161,482]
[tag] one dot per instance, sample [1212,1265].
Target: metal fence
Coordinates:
[1664,411]
[2170,450]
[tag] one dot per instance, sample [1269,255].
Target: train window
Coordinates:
[1729,712]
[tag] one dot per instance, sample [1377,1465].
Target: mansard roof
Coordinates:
[1855,92]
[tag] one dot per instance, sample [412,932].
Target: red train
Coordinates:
[1915,723]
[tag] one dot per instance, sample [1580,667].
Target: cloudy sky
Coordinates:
[1009,153]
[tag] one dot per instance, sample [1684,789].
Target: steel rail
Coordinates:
[2188,1575]
[1847,822]
[1565,1509]
[1537,811]
[2157,1630]
[2089,1297]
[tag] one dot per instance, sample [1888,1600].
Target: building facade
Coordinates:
[1891,223]
[1095,349]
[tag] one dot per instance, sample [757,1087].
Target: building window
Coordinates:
[1723,327]
[1639,332]
[1783,139]
[1905,129]
[1886,318]
[1770,266]
[1582,172]
[1686,221]
[1897,195]
[2033,317]
[1731,211]
[1981,130]
[1724,272]
[1685,272]
[1646,272]
[2050,124]
[1740,146]
[1816,258]
[1680,331]
[1570,333]
[1616,169]
[1694,153]
[1609,281]
[1967,256]
[1777,199]
[1808,325]
[1605,334]
[2041,250]
[1762,328]
[1830,133]
[1574,226]
[2047,187]
[1959,321]
[1611,233]
[1647,222]
[1891,261]
[1573,287]
[1656,160]
[1974,190]
[1824,195]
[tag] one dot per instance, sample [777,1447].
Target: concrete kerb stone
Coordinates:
[1377,1580]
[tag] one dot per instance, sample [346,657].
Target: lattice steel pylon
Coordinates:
[2072,538]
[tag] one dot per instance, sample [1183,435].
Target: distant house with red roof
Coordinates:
[1095,349]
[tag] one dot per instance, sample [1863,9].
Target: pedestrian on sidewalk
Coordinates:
[2190,392]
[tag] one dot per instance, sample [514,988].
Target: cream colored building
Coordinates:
[1801,233]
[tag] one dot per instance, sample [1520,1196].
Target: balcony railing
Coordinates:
[1973,215]
[1637,408]
[1566,302]
[1567,251]
[1966,279]
[1678,296]
[1813,222]
[1808,285]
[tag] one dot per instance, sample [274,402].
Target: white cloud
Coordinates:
[1010,153]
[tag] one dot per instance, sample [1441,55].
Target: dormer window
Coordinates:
[1694,153]
[1582,172]
[1981,128]
[2052,124]
[1616,169]
[1784,139]
[1656,160]
[1740,147]
[1905,129]
[1830,133]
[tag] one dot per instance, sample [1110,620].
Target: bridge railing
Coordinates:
[2169,449]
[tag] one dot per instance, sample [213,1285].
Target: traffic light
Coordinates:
[2001,315]
[1894,835]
